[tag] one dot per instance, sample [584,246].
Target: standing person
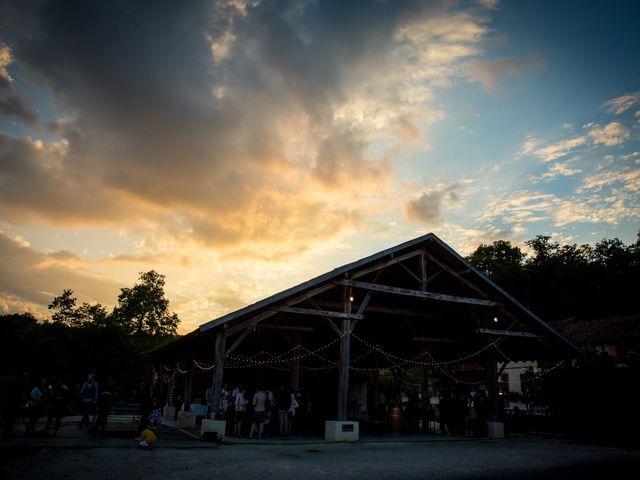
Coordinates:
[261,400]
[283,400]
[89,394]
[240,408]
[225,396]
[36,406]
[58,392]
[292,412]
[103,409]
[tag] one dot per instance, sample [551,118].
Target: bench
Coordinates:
[124,417]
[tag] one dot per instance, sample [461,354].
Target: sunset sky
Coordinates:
[242,147]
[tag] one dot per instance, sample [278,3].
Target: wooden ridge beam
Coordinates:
[417,293]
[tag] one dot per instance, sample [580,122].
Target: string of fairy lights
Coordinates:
[284,361]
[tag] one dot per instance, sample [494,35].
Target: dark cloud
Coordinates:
[427,207]
[13,106]
[35,182]
[190,108]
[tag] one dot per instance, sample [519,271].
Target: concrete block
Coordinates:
[218,426]
[495,430]
[336,431]
[186,420]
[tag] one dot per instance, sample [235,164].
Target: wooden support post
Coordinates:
[423,271]
[343,388]
[218,371]
[345,347]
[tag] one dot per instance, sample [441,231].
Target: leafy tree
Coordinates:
[95,314]
[143,308]
[64,307]
[498,259]
[504,264]
[68,314]
[562,281]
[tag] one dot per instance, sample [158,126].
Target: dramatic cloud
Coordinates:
[182,150]
[254,130]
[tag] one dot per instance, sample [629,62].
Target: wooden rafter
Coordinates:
[321,313]
[507,333]
[329,319]
[249,323]
[381,265]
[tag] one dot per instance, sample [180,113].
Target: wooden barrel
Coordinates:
[394,419]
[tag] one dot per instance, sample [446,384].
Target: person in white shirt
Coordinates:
[261,400]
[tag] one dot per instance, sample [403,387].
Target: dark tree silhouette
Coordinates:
[143,308]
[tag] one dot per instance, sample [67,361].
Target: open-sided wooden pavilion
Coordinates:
[416,304]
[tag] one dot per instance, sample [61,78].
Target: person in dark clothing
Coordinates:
[57,406]
[412,411]
[446,411]
[283,402]
[103,409]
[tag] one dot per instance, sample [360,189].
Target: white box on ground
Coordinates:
[495,430]
[336,431]
[186,420]
[218,426]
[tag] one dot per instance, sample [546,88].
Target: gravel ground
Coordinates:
[522,458]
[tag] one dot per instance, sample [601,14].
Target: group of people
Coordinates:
[265,411]
[49,398]
[53,399]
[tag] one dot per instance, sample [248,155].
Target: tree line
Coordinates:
[566,281]
[83,338]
